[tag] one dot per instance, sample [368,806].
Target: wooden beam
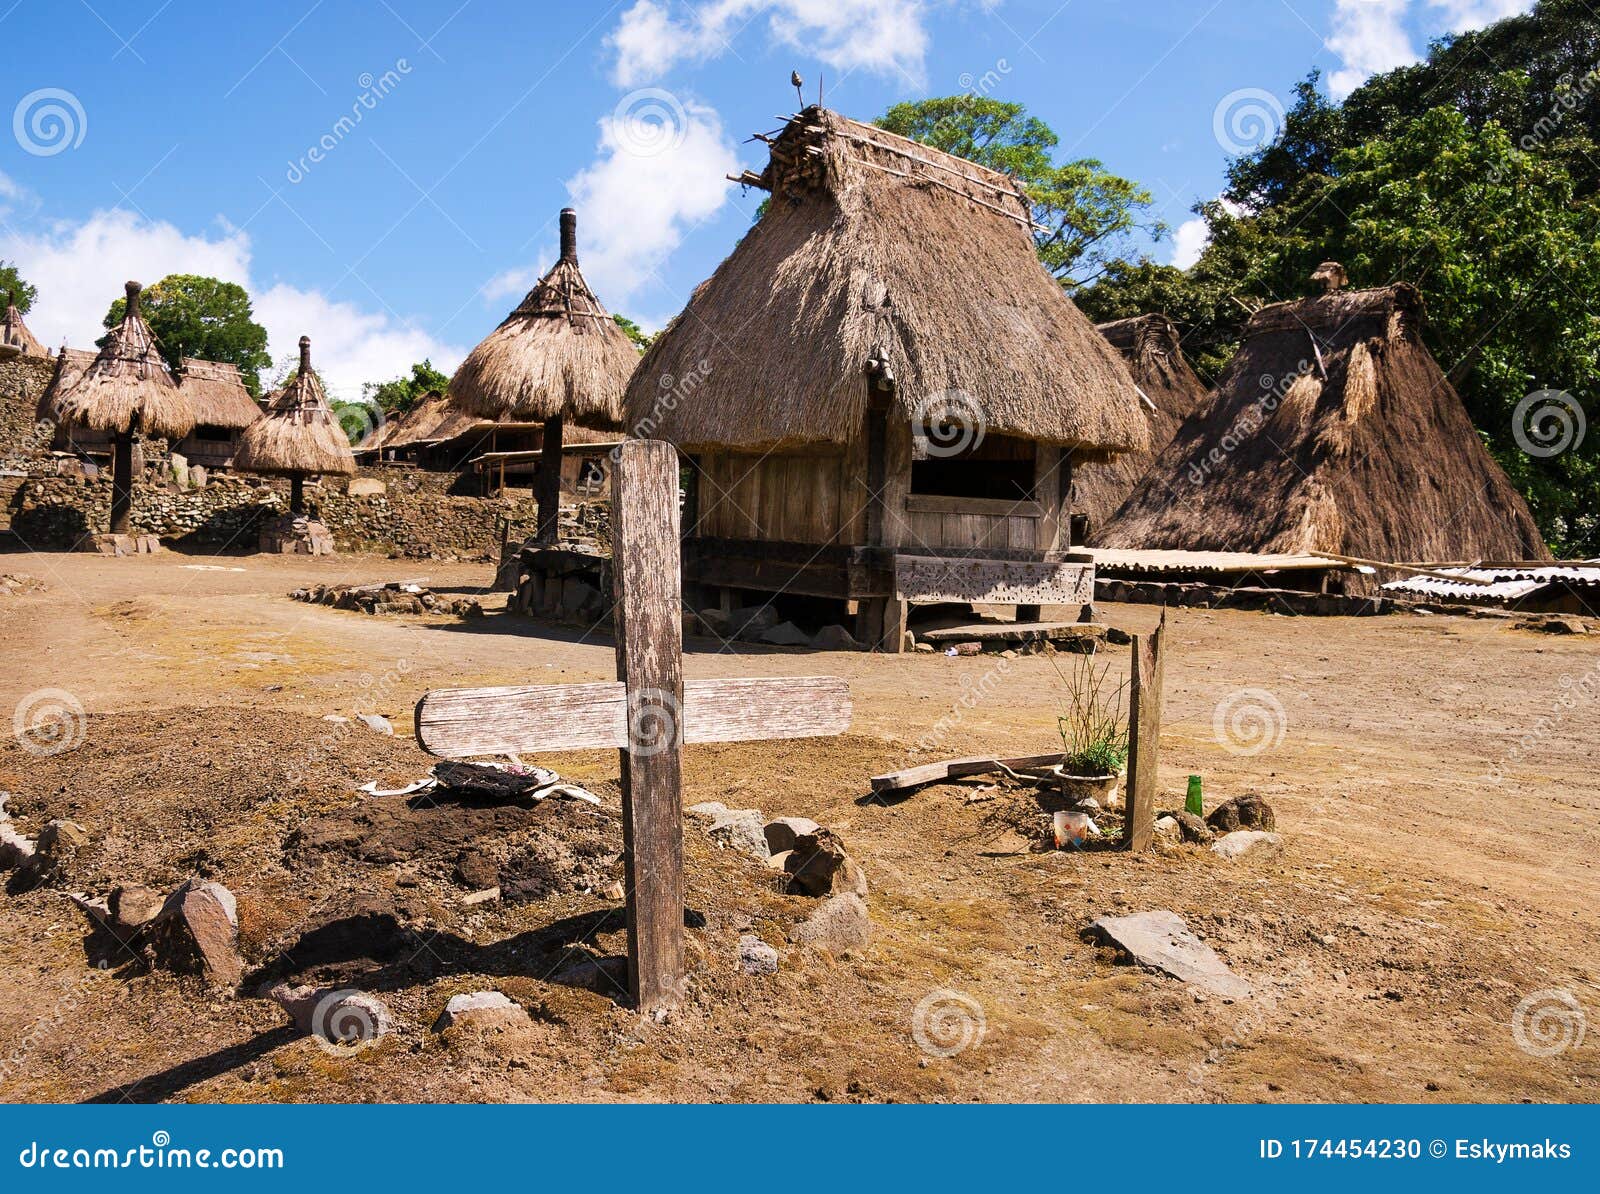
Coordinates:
[995,582]
[465,723]
[649,631]
[1144,736]
[549,482]
[929,773]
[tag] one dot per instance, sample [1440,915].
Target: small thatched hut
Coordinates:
[80,441]
[126,391]
[222,407]
[15,338]
[1333,430]
[1169,390]
[299,437]
[558,357]
[880,375]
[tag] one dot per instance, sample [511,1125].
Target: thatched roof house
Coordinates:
[558,355]
[70,364]
[14,334]
[1333,430]
[878,248]
[126,390]
[216,392]
[1169,391]
[299,436]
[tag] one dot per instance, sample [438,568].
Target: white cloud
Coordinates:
[1376,35]
[1189,240]
[80,268]
[878,35]
[514,283]
[659,171]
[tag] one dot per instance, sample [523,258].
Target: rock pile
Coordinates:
[395,597]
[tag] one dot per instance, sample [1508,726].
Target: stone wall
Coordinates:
[22,380]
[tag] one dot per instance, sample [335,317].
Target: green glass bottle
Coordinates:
[1195,802]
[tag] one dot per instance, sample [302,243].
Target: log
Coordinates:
[929,773]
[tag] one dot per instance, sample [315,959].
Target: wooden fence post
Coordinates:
[1144,735]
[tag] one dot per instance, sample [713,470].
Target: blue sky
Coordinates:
[385,175]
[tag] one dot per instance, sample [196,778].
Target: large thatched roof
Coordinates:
[15,334]
[299,433]
[127,388]
[216,392]
[875,247]
[70,364]
[1333,430]
[437,419]
[1149,344]
[558,353]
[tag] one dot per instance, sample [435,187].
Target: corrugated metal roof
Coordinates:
[1133,560]
[1499,583]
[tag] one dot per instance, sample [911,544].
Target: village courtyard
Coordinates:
[1431,914]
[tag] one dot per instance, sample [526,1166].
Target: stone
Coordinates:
[377,723]
[834,638]
[1167,829]
[786,634]
[839,926]
[756,956]
[924,648]
[198,476]
[964,649]
[339,1017]
[750,622]
[1191,827]
[487,896]
[1161,941]
[197,932]
[1247,812]
[780,861]
[782,832]
[483,1008]
[57,844]
[1252,843]
[741,829]
[365,487]
[815,862]
[133,906]
[607,976]
[578,596]
[716,622]
[1117,637]
[707,810]
[15,849]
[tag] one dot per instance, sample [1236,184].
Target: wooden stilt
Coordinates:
[122,485]
[550,483]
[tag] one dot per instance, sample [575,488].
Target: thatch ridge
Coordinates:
[874,244]
[216,392]
[299,433]
[1153,352]
[558,354]
[14,332]
[127,388]
[1333,430]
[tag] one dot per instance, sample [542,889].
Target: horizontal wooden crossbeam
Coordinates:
[460,723]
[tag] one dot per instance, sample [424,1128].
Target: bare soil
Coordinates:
[1418,902]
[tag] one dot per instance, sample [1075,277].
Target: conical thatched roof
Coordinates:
[875,247]
[1333,430]
[127,389]
[70,364]
[559,353]
[1149,344]
[299,433]
[216,392]
[15,334]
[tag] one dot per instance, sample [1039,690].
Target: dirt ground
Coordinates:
[1436,781]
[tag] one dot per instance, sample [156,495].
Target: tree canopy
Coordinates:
[13,283]
[641,338]
[400,394]
[204,318]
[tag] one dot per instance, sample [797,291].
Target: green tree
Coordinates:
[205,318]
[641,338]
[400,394]
[1084,212]
[12,283]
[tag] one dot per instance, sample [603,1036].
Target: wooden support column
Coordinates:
[122,484]
[297,493]
[649,630]
[550,483]
[1064,496]
[877,617]
[1144,735]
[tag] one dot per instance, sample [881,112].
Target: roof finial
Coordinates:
[133,298]
[1332,276]
[798,82]
[569,234]
[305,355]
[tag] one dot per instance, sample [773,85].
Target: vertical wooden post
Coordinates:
[1144,735]
[649,630]
[877,615]
[550,482]
[297,493]
[1064,495]
[122,484]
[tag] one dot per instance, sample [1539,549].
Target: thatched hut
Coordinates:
[223,408]
[880,375]
[1169,392]
[126,392]
[558,357]
[299,437]
[15,338]
[1333,430]
[80,441]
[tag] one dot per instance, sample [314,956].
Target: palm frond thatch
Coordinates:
[1150,346]
[127,388]
[1333,430]
[559,354]
[216,393]
[299,434]
[70,364]
[14,332]
[876,247]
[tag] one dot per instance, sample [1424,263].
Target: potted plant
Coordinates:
[1094,735]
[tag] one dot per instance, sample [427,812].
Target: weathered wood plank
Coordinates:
[548,481]
[1000,582]
[927,773]
[924,503]
[1014,632]
[649,630]
[1144,735]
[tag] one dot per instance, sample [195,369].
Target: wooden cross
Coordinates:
[648,713]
